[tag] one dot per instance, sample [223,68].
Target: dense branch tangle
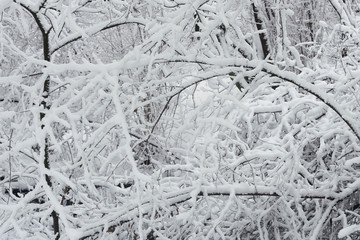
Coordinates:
[164,119]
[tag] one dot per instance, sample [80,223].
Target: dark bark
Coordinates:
[260,27]
[46,91]
[45,106]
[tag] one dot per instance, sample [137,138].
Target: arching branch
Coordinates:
[94,30]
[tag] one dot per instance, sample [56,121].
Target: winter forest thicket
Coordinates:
[180,119]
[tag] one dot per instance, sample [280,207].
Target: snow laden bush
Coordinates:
[179,119]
